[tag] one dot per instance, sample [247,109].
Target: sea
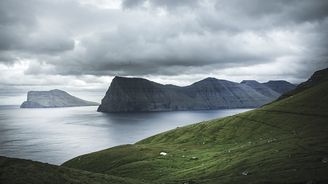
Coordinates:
[55,135]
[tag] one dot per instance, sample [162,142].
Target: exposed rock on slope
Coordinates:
[53,98]
[137,94]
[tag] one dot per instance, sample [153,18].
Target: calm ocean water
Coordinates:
[58,134]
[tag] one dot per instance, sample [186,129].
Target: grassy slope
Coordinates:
[284,142]
[19,171]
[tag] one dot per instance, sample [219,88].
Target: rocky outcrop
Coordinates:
[53,98]
[137,94]
[280,86]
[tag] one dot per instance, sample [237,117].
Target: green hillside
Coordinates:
[284,142]
[19,171]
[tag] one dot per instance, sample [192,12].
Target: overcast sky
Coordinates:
[82,44]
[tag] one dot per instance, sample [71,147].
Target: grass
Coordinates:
[283,142]
[20,171]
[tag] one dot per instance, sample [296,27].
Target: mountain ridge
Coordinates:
[261,88]
[280,86]
[138,94]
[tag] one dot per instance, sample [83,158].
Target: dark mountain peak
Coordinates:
[280,86]
[127,83]
[130,80]
[119,78]
[57,90]
[277,81]
[210,80]
[317,77]
[137,94]
[249,82]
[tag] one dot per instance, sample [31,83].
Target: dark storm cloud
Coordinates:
[14,24]
[160,3]
[124,52]
[21,30]
[164,37]
[131,3]
[237,16]
[290,10]
[257,15]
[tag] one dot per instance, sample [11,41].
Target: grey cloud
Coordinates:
[67,38]
[20,30]
[307,11]
[47,44]
[17,12]
[259,15]
[173,3]
[169,4]
[124,52]
[131,3]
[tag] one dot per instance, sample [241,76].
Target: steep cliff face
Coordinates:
[280,86]
[53,98]
[136,94]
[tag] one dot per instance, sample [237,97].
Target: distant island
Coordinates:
[53,98]
[138,95]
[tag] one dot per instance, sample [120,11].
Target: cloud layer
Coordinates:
[46,42]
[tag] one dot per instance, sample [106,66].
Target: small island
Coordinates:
[53,98]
